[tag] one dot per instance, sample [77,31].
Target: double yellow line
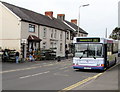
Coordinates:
[79,83]
[84,81]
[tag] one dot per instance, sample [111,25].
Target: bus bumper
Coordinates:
[88,67]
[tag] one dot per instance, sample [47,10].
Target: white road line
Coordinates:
[20,69]
[34,75]
[64,68]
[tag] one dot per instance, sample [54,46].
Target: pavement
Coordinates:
[109,80]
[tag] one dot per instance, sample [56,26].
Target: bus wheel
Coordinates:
[115,60]
[107,64]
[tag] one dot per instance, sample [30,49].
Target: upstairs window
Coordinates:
[61,35]
[68,35]
[31,28]
[55,33]
[52,33]
[44,32]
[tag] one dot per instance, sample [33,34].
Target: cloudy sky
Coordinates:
[95,18]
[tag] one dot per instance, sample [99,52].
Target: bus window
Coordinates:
[95,50]
[115,48]
[109,49]
[88,50]
[80,50]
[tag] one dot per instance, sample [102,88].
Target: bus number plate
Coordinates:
[87,67]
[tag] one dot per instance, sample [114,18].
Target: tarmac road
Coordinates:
[53,75]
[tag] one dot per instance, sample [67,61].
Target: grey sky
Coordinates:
[94,19]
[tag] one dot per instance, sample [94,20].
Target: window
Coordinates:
[88,50]
[115,48]
[44,32]
[52,33]
[51,44]
[61,35]
[71,36]
[60,46]
[55,33]
[44,45]
[68,35]
[31,28]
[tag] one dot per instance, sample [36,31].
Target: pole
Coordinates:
[106,33]
[79,16]
[78,19]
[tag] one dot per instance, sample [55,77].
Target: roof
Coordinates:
[76,27]
[37,18]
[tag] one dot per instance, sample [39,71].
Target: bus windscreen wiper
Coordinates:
[81,56]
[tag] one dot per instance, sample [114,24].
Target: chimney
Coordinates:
[61,17]
[74,21]
[49,14]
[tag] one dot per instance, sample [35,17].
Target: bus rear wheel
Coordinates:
[115,60]
[107,65]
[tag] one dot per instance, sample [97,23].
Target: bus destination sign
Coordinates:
[88,40]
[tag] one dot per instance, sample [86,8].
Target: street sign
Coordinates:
[24,41]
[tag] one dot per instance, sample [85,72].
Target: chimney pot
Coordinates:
[61,16]
[49,14]
[74,21]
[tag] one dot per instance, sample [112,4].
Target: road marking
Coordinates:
[80,83]
[49,64]
[20,69]
[84,81]
[34,67]
[34,75]
[64,68]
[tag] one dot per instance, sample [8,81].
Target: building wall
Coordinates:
[25,30]
[10,29]
[0,25]
[39,32]
[48,39]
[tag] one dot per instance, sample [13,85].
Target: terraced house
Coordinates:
[25,30]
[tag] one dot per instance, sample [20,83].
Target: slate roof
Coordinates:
[76,27]
[37,18]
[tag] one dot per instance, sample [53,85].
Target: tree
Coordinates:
[115,34]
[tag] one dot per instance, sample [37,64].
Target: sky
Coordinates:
[99,16]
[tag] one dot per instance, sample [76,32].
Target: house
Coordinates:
[27,31]
[70,34]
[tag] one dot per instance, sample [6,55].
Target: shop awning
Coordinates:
[33,38]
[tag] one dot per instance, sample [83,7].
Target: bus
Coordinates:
[94,53]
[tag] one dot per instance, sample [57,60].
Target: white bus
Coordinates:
[94,53]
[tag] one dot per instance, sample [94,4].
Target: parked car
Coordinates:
[8,55]
[48,54]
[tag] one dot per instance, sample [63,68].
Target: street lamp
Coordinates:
[79,15]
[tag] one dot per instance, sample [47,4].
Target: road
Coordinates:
[44,75]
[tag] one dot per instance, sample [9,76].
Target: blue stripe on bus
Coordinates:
[92,67]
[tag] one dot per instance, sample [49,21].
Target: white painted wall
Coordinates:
[48,39]
[11,27]
[0,24]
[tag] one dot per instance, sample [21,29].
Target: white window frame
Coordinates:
[44,32]
[31,28]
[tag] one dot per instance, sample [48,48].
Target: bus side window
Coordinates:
[109,48]
[115,48]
